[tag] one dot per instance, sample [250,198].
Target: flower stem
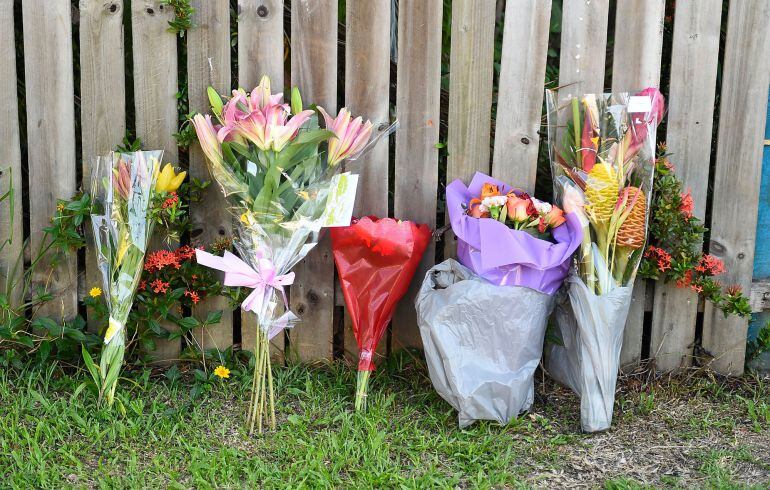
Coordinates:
[362,383]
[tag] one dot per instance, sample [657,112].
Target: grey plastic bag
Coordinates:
[591,329]
[482,342]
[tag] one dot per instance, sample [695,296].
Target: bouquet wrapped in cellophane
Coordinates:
[282,188]
[126,197]
[602,150]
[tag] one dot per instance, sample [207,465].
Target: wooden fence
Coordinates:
[76,56]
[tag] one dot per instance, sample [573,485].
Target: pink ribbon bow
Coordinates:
[239,273]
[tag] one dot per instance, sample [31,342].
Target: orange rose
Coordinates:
[555,217]
[518,208]
[489,190]
[476,210]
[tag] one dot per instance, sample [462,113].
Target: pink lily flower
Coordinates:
[121,180]
[208,138]
[349,138]
[278,132]
[261,98]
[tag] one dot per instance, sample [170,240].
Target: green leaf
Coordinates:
[89,362]
[189,322]
[50,325]
[214,317]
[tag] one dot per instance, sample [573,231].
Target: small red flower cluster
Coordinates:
[160,259]
[194,297]
[687,205]
[159,286]
[659,255]
[710,265]
[171,201]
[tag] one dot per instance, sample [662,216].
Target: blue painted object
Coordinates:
[761,248]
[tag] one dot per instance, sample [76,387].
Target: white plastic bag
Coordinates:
[482,342]
[591,330]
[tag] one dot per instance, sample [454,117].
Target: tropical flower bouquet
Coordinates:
[602,150]
[376,259]
[281,174]
[483,322]
[129,194]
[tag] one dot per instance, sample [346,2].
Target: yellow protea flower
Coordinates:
[113,328]
[168,180]
[601,192]
[631,233]
[222,372]
[95,292]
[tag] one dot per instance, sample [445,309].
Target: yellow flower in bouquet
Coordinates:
[601,192]
[168,180]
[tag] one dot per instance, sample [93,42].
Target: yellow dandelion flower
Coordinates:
[95,292]
[222,372]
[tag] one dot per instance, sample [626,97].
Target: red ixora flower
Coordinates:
[194,296]
[659,255]
[171,201]
[687,204]
[685,281]
[159,286]
[710,265]
[156,261]
[142,285]
[185,252]
[734,290]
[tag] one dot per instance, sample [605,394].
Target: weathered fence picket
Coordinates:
[470,94]
[51,159]
[155,88]
[745,80]
[692,90]
[11,211]
[418,93]
[208,64]
[367,92]
[102,114]
[303,49]
[314,38]
[520,109]
[636,65]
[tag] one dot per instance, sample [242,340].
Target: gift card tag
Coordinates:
[342,198]
[641,103]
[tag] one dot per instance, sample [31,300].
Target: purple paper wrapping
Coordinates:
[505,256]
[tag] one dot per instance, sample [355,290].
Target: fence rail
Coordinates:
[128,72]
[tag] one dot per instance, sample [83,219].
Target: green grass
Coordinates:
[52,436]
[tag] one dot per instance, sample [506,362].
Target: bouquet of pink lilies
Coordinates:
[281,174]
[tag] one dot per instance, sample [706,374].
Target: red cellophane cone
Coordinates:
[376,259]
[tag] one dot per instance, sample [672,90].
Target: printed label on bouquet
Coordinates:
[640,103]
[342,197]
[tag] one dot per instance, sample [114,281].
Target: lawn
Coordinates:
[691,430]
